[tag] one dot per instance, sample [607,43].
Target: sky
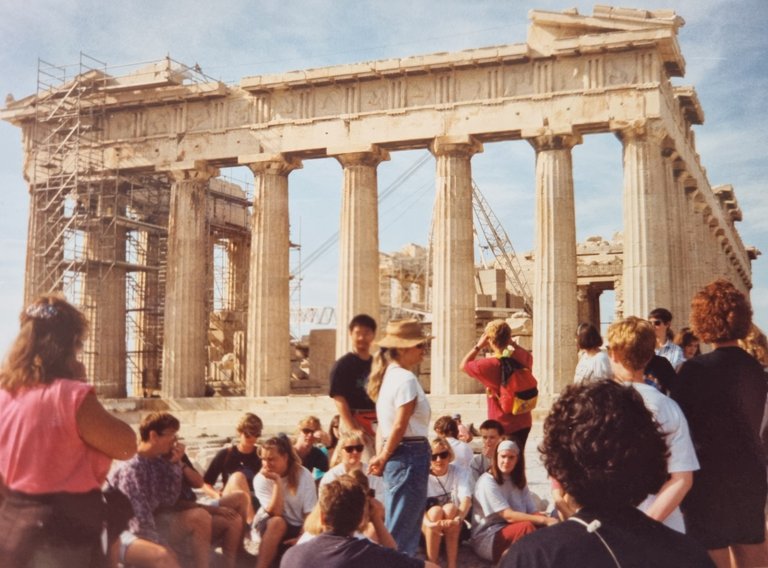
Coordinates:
[723,42]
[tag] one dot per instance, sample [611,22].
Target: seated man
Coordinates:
[237,465]
[152,481]
[342,507]
[602,445]
[492,432]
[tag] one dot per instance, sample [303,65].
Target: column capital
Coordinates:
[643,129]
[455,146]
[279,164]
[191,171]
[545,139]
[371,157]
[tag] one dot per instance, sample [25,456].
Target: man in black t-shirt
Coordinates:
[349,377]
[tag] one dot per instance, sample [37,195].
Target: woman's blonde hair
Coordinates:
[52,332]
[346,439]
[283,446]
[381,360]
[441,442]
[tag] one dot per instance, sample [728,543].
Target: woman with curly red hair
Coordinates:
[723,395]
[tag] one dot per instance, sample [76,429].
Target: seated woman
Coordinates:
[449,498]
[287,494]
[311,444]
[349,458]
[237,465]
[503,510]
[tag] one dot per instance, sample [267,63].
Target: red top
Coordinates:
[41,449]
[488,372]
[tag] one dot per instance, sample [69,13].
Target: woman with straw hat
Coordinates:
[403,414]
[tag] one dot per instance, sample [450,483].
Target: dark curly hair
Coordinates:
[720,313]
[603,445]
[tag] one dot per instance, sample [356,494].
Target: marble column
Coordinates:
[453,280]
[555,304]
[186,317]
[675,238]
[268,371]
[359,242]
[236,294]
[104,352]
[646,270]
[147,340]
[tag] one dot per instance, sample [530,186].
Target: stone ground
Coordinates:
[202,451]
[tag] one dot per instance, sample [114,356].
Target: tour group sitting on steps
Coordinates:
[656,457]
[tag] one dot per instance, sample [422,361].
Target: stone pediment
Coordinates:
[607,29]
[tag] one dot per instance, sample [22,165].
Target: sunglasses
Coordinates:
[656,323]
[356,448]
[307,431]
[441,455]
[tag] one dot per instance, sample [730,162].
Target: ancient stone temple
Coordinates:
[127,211]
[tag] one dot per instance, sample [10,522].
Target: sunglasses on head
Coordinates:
[356,448]
[441,455]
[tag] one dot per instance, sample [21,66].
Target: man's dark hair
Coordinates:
[447,427]
[661,314]
[491,424]
[603,445]
[363,320]
[342,505]
[157,422]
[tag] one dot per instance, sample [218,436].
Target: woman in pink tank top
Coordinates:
[58,443]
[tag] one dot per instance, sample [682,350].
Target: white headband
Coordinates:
[507,445]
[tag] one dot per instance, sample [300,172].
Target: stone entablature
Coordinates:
[576,75]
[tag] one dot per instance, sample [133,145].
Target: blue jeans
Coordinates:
[405,481]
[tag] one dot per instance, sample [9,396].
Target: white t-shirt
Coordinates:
[455,484]
[682,455]
[462,453]
[592,368]
[295,507]
[398,387]
[490,499]
[375,482]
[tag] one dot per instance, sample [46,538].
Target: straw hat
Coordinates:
[404,333]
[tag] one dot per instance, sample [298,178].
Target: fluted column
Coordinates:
[238,255]
[186,316]
[555,301]
[646,250]
[104,302]
[673,239]
[453,293]
[268,370]
[147,337]
[359,242]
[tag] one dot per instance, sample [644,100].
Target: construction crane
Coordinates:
[498,244]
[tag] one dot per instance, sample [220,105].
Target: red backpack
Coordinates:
[518,392]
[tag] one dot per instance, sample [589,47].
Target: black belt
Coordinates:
[412,439]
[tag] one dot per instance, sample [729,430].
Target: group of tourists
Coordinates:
[656,457]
